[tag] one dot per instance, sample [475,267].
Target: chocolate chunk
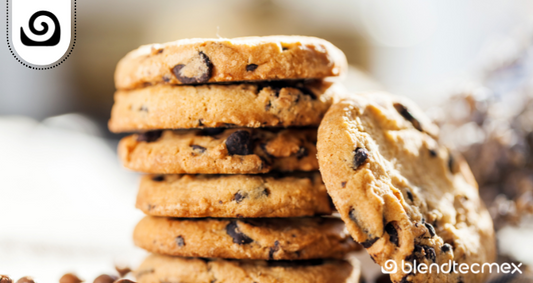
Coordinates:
[69,278]
[431,230]
[430,253]
[151,136]
[393,233]
[211,132]
[104,278]
[265,192]
[143,108]
[199,63]
[166,78]
[238,237]
[238,196]
[28,279]
[446,248]
[273,250]
[180,241]
[368,243]
[433,153]
[200,122]
[267,106]
[5,279]
[410,195]
[158,178]
[198,148]
[360,156]
[343,184]
[301,153]
[123,270]
[451,163]
[407,115]
[239,143]
[251,67]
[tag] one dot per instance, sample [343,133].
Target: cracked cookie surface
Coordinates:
[159,268]
[230,196]
[401,194]
[261,238]
[220,151]
[253,105]
[205,60]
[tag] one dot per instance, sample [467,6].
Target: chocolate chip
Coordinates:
[430,253]
[158,178]
[123,270]
[273,250]
[251,67]
[104,278]
[268,105]
[343,184]
[151,136]
[284,48]
[198,148]
[393,233]
[238,237]
[433,153]
[265,192]
[200,122]
[446,248]
[211,132]
[180,241]
[26,279]
[5,279]
[69,278]
[368,243]
[124,281]
[451,163]
[238,197]
[410,196]
[370,239]
[166,78]
[239,143]
[143,108]
[360,156]
[431,230]
[407,115]
[301,153]
[200,62]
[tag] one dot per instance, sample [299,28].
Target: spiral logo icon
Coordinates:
[389,267]
[53,40]
[41,33]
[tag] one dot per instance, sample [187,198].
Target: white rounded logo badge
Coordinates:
[40,32]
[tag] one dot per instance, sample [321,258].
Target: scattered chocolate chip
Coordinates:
[239,143]
[431,230]
[166,78]
[360,156]
[104,278]
[123,270]
[238,237]
[267,106]
[158,178]
[430,253]
[433,153]
[410,195]
[393,233]
[26,279]
[5,279]
[200,62]
[238,197]
[198,148]
[368,243]
[211,132]
[407,115]
[180,241]
[446,248]
[143,108]
[451,163]
[273,250]
[200,122]
[301,153]
[265,191]
[151,136]
[251,67]
[343,184]
[284,48]
[220,202]
[69,278]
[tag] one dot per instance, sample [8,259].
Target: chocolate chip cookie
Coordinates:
[260,104]
[402,195]
[231,196]
[220,151]
[160,268]
[264,238]
[203,60]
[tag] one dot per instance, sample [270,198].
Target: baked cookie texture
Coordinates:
[206,60]
[260,104]
[220,151]
[401,194]
[266,238]
[160,268]
[234,196]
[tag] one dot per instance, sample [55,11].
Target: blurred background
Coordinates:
[68,205]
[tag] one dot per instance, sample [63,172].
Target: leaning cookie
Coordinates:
[202,60]
[230,196]
[159,268]
[403,196]
[220,151]
[265,238]
[253,105]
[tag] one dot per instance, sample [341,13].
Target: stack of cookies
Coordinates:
[227,133]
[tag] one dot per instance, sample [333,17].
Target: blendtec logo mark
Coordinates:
[40,32]
[390,267]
